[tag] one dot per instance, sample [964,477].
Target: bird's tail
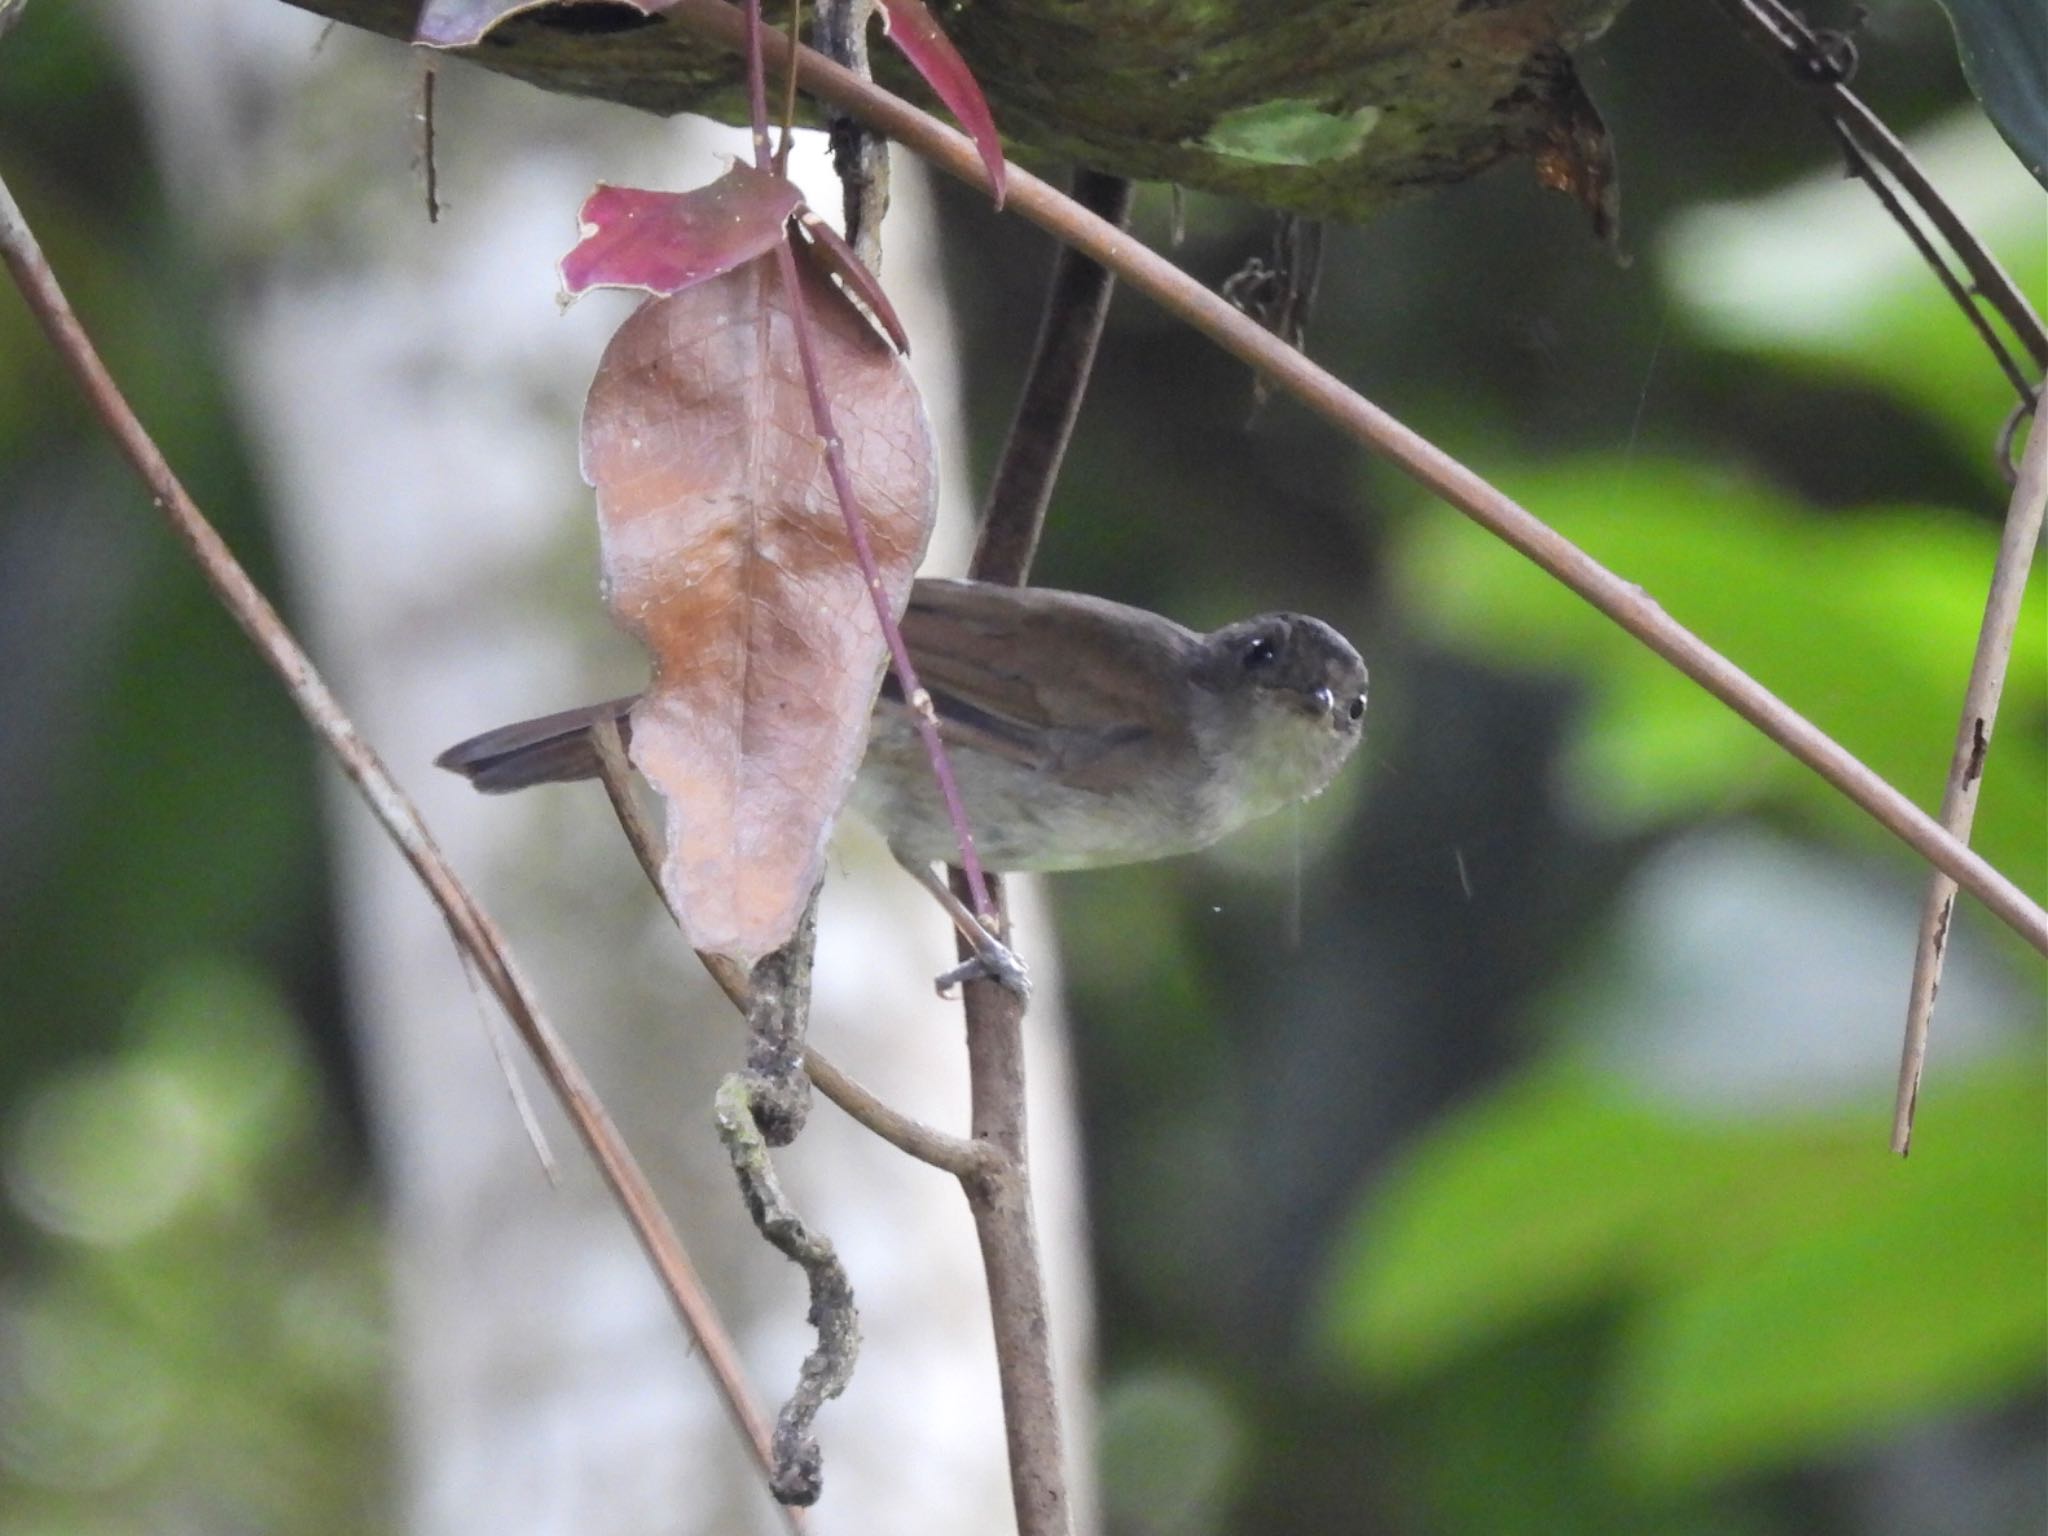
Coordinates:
[553,749]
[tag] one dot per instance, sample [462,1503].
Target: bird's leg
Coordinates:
[993,960]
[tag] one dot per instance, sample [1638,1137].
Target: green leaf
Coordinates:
[1290,133]
[2004,48]
[1528,1202]
[1894,1297]
[1785,1287]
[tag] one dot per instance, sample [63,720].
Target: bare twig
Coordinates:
[957,1155]
[1076,308]
[788,118]
[1621,600]
[1860,167]
[1077,305]
[508,1068]
[1777,27]
[430,168]
[475,932]
[1001,1204]
[1966,769]
[952,1154]
[921,710]
[2008,434]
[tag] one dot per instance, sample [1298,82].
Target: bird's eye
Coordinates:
[1259,653]
[1358,707]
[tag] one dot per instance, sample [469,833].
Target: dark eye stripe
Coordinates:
[1259,653]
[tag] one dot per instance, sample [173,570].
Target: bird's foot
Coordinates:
[993,960]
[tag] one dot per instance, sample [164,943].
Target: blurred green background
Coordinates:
[1495,1148]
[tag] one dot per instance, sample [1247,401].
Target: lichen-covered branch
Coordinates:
[859,154]
[1329,108]
[798,1476]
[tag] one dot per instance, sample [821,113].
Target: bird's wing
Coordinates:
[1049,680]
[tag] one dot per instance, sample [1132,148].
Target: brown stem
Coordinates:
[2023,521]
[1076,308]
[1077,303]
[1001,1203]
[1621,600]
[1987,276]
[478,936]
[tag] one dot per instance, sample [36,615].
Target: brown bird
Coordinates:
[1083,733]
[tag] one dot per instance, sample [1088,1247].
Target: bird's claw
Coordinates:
[993,961]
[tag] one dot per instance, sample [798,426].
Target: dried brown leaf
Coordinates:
[726,553]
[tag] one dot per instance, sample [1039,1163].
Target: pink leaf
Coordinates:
[725,552]
[914,31]
[460,23]
[825,247]
[665,241]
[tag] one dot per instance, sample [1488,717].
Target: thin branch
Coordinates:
[1987,276]
[1621,600]
[1966,769]
[508,1068]
[614,772]
[956,1155]
[1076,307]
[476,934]
[788,121]
[1860,167]
[1001,1204]
[430,168]
[1779,28]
